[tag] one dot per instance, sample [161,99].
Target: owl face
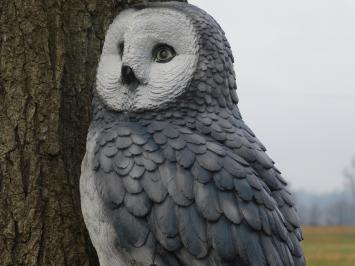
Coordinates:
[148,59]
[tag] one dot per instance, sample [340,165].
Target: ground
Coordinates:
[329,246]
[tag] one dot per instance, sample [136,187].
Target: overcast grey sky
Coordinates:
[295,64]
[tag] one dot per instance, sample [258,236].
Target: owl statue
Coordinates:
[172,174]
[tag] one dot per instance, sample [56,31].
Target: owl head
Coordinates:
[160,55]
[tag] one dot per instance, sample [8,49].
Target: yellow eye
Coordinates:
[163,53]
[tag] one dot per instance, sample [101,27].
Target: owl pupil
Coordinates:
[164,54]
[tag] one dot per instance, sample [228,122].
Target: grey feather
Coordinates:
[200,174]
[253,180]
[185,181]
[160,138]
[291,215]
[277,225]
[229,206]
[121,161]
[284,252]
[265,221]
[287,197]
[138,160]
[177,144]
[225,124]
[129,229]
[272,256]
[202,128]
[178,195]
[169,153]
[155,126]
[111,189]
[195,139]
[192,229]
[137,171]
[234,168]
[243,189]
[110,150]
[204,119]
[151,146]
[105,163]
[170,132]
[278,198]
[154,187]
[233,142]
[167,172]
[217,149]
[299,234]
[247,153]
[220,136]
[122,165]
[164,223]
[123,131]
[166,218]
[127,153]
[135,149]
[251,214]
[185,130]
[248,245]
[149,164]
[197,148]
[139,139]
[185,158]
[270,178]
[224,180]
[263,197]
[210,161]
[221,239]
[132,185]
[156,157]
[108,137]
[297,250]
[123,142]
[206,198]
[137,204]
[264,160]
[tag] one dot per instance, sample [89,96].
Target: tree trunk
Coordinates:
[48,55]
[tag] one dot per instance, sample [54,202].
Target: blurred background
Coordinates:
[295,65]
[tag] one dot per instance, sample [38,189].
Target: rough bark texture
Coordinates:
[48,55]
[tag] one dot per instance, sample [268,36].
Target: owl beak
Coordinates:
[128,77]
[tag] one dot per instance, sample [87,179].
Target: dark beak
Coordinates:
[128,77]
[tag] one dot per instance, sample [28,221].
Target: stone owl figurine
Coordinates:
[172,175]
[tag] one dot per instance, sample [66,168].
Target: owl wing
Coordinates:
[180,195]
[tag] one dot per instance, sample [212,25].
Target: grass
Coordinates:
[329,246]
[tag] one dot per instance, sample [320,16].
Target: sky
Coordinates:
[295,65]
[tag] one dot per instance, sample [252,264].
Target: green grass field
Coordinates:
[329,246]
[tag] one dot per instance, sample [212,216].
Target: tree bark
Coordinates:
[49,50]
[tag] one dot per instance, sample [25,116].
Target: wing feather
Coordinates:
[176,186]
[193,231]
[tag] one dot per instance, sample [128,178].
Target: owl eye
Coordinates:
[163,53]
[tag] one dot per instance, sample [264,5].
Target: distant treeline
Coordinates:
[336,208]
